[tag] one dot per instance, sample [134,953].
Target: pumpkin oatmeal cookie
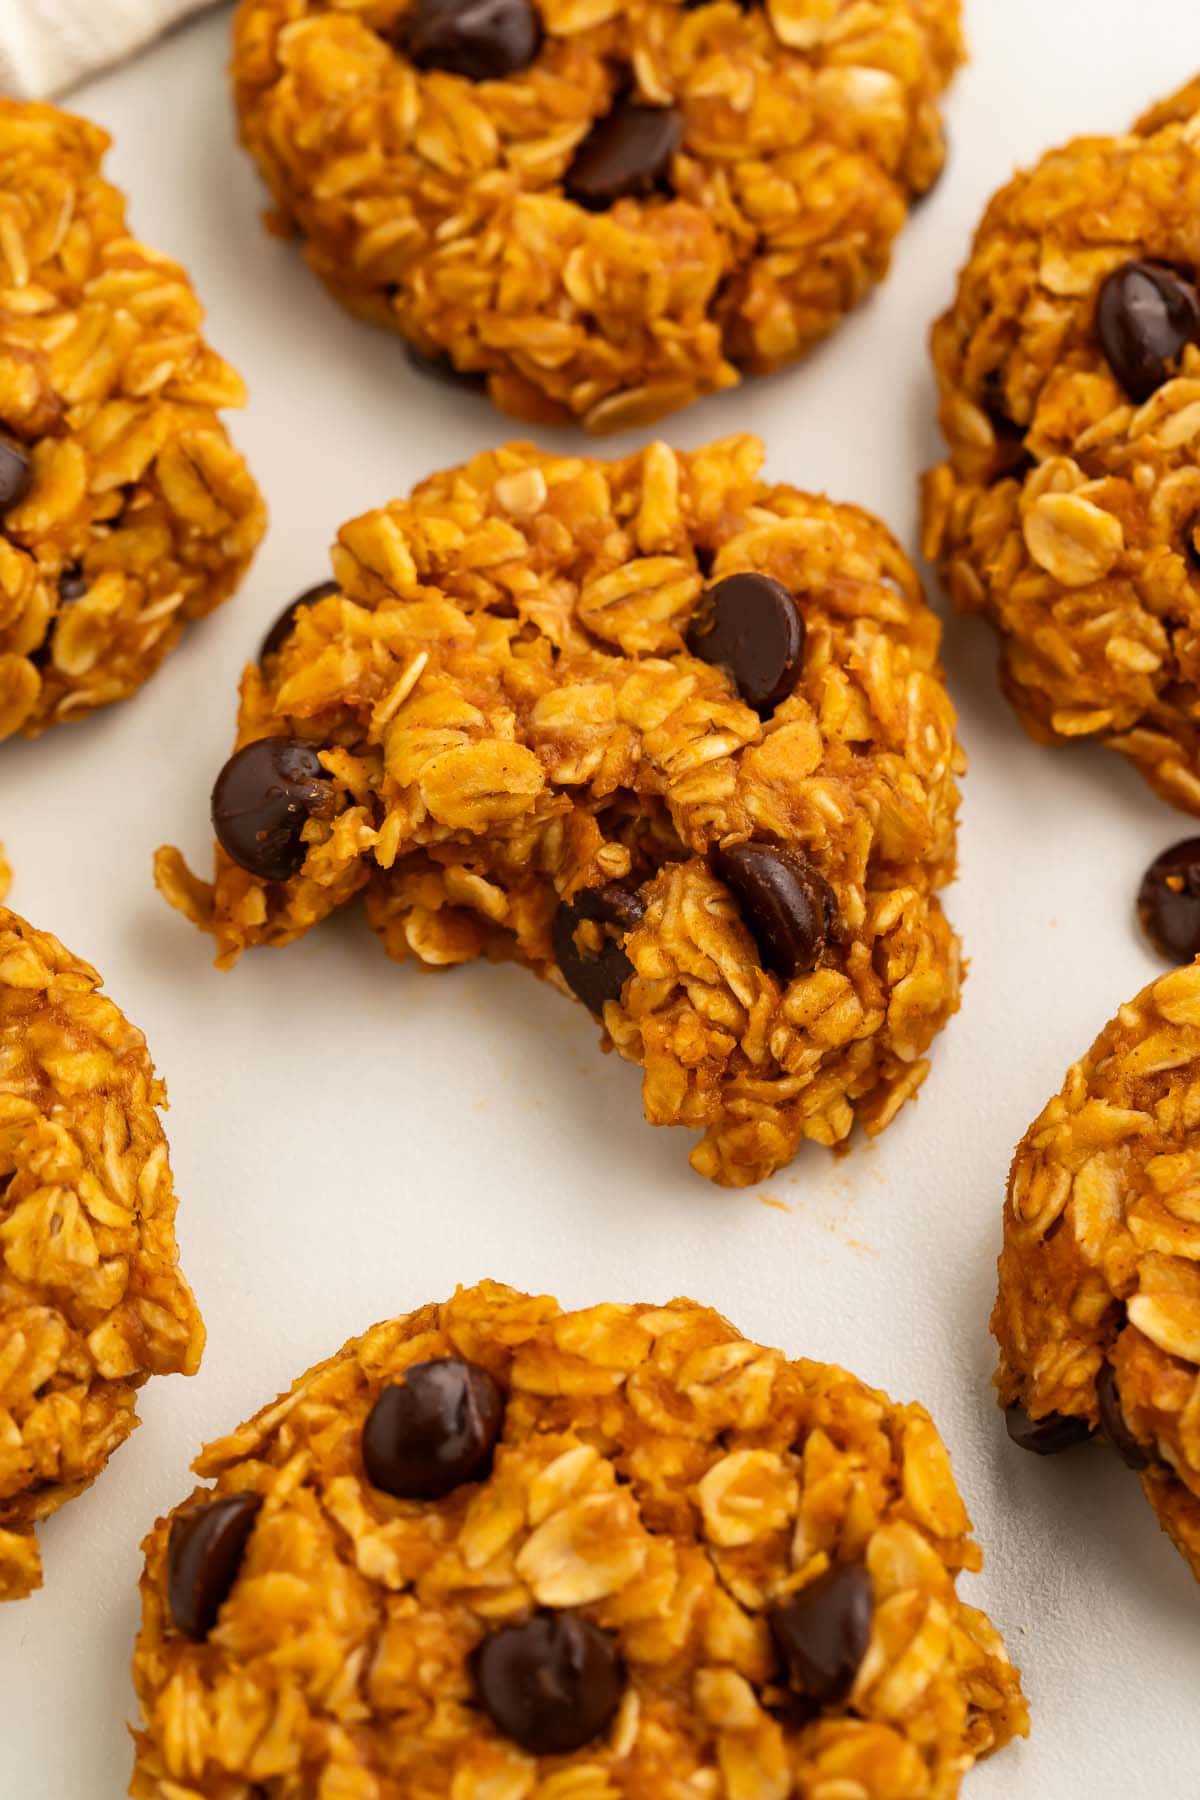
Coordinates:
[599,211]
[124,509]
[1068,511]
[91,1298]
[492,1548]
[674,737]
[1098,1317]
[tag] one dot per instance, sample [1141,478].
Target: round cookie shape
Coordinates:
[1098,1313]
[92,1302]
[1068,371]
[125,511]
[602,210]
[529,754]
[691,1566]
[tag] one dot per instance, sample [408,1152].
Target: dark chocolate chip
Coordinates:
[750,626]
[72,583]
[437,366]
[262,800]
[481,39]
[551,1684]
[1112,1421]
[600,975]
[1145,314]
[822,1633]
[281,630]
[1168,901]
[204,1554]
[433,1429]
[787,905]
[16,474]
[627,152]
[1046,1436]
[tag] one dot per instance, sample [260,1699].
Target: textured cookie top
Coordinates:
[603,209]
[528,693]
[123,508]
[1069,378]
[727,1575]
[1098,1316]
[91,1298]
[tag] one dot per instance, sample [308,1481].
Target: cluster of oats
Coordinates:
[1101,1262]
[502,691]
[1065,512]
[657,1474]
[91,1298]
[138,515]
[435,205]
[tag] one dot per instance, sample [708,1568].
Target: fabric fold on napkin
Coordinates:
[49,45]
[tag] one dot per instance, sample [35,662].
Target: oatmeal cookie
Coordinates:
[91,1298]
[1068,511]
[599,211]
[674,737]
[492,1548]
[124,509]
[1098,1316]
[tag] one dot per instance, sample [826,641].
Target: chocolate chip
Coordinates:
[262,800]
[599,975]
[1112,1421]
[1046,1436]
[204,1554]
[1145,314]
[481,39]
[1168,901]
[627,152]
[552,1684]
[72,583]
[788,906]
[281,630]
[1010,459]
[750,626]
[16,474]
[822,1633]
[433,1430]
[436,364]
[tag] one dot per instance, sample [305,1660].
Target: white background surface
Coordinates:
[351,1138]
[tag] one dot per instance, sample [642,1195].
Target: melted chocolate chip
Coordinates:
[822,1633]
[16,474]
[600,975]
[72,583]
[1145,314]
[1112,1421]
[262,800]
[204,1554]
[433,1430]
[484,40]
[750,626]
[1047,1436]
[281,630]
[627,152]
[1168,901]
[786,903]
[551,1684]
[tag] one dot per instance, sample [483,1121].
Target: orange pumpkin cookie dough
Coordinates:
[496,1548]
[672,735]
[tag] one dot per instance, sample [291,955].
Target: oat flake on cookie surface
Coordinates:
[1098,1315]
[91,1298]
[673,736]
[494,1549]
[1068,510]
[598,211]
[125,511]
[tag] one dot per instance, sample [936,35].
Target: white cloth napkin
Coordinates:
[49,45]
